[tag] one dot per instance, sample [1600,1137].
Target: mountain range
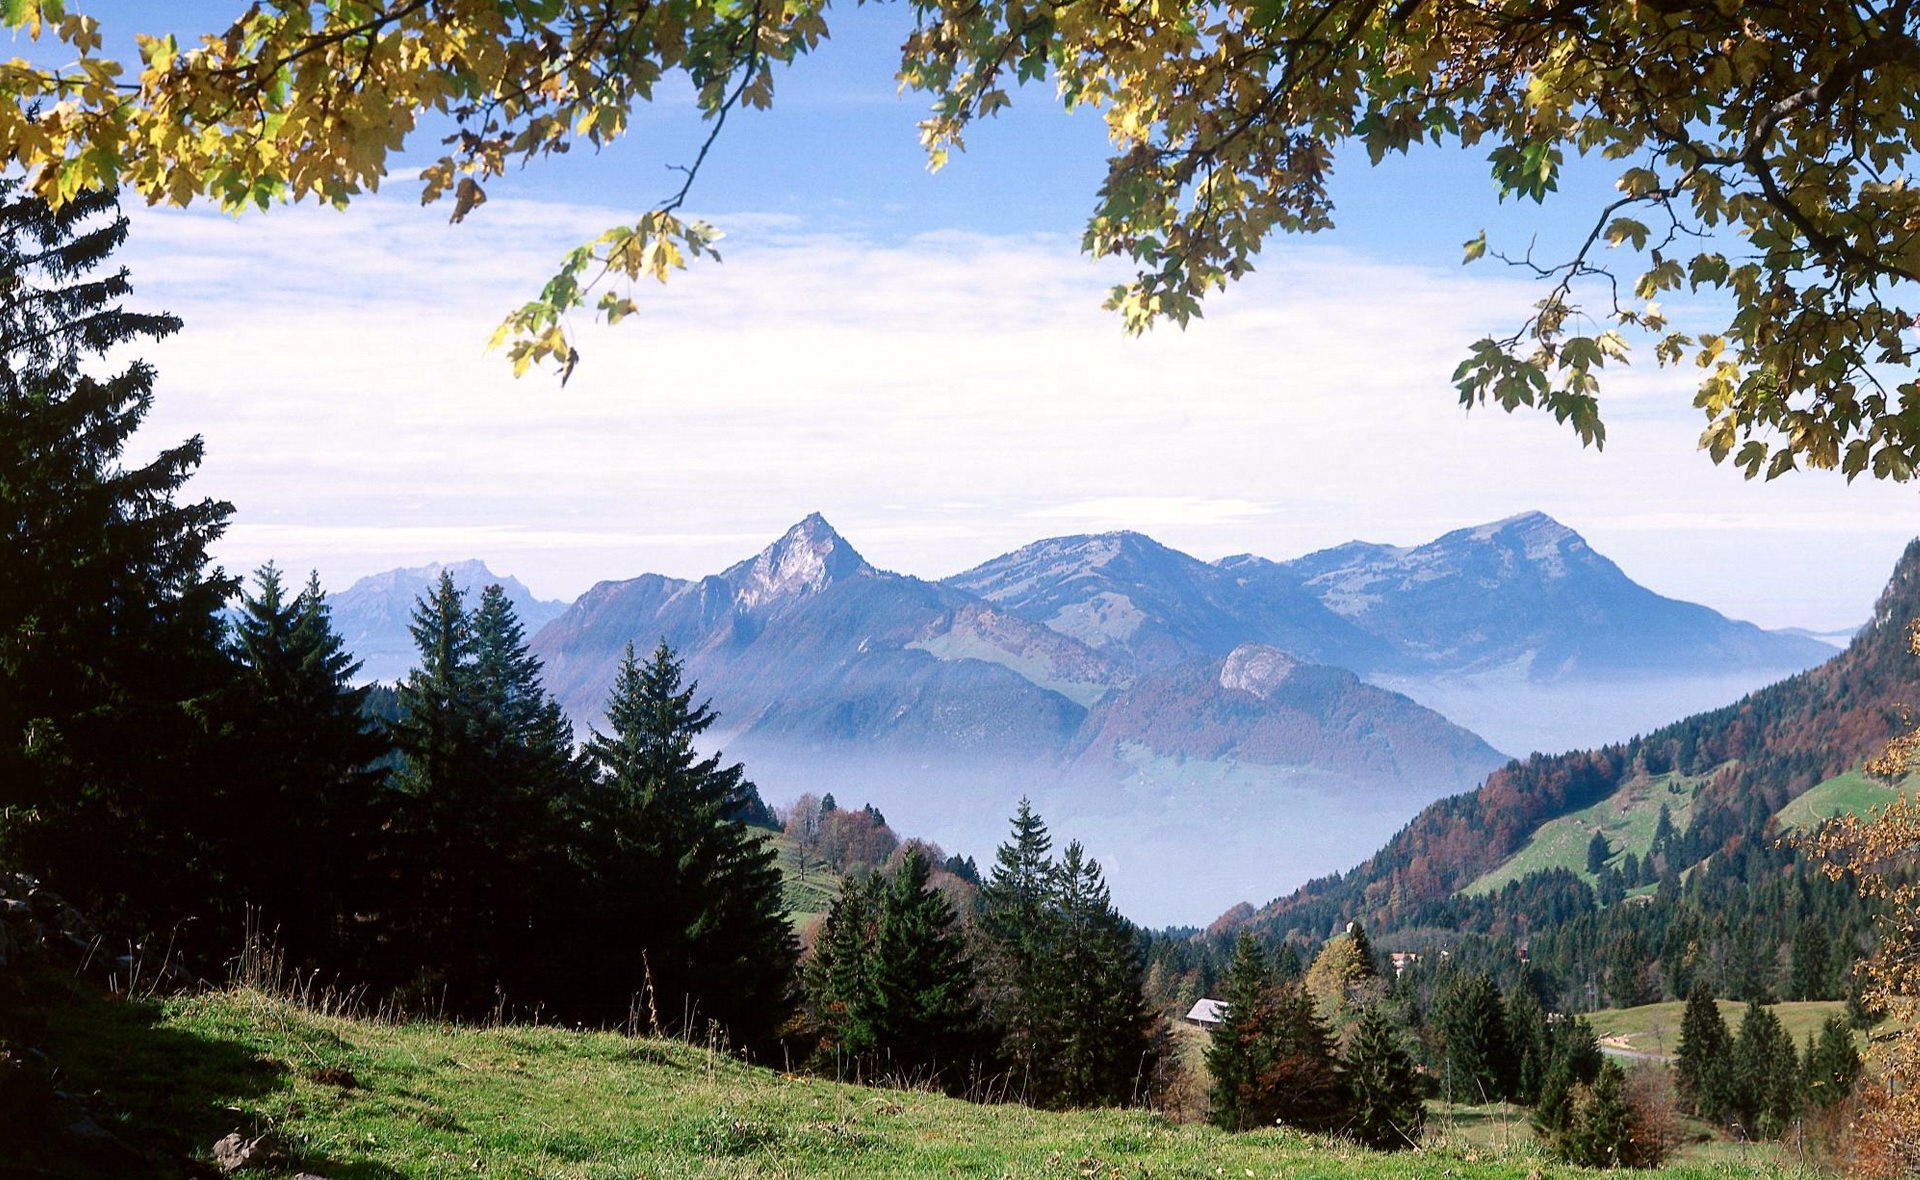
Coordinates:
[372,614]
[1211,729]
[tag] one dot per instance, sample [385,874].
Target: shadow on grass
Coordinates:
[161,1096]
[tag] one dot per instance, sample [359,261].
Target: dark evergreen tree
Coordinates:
[1100,1038]
[1663,833]
[1703,1059]
[1364,962]
[1239,1048]
[1272,1059]
[1764,1076]
[1810,974]
[1601,1132]
[1626,973]
[1529,1034]
[920,981]
[309,808]
[1386,1111]
[838,979]
[1832,1064]
[110,654]
[1017,919]
[697,893]
[1598,853]
[1573,1042]
[1477,1056]
[1302,1085]
[1553,1111]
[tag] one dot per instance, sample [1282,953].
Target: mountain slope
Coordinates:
[1516,629]
[372,615]
[1259,705]
[1752,758]
[1138,601]
[1531,593]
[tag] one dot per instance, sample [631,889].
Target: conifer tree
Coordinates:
[1702,1060]
[1272,1059]
[1601,1134]
[109,629]
[1810,972]
[1529,1034]
[1476,1052]
[698,892]
[1626,981]
[310,819]
[1386,1112]
[1101,1044]
[1016,916]
[1553,1110]
[920,980]
[838,979]
[1832,1064]
[1765,1077]
[1598,853]
[1239,1048]
[1302,1085]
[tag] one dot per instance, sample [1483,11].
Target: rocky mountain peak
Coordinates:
[1256,668]
[808,558]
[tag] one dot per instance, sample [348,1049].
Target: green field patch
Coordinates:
[1627,817]
[1654,1029]
[1852,793]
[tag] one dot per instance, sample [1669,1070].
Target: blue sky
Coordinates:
[923,358]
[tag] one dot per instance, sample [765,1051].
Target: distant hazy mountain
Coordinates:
[1528,592]
[1517,629]
[373,613]
[1134,598]
[945,708]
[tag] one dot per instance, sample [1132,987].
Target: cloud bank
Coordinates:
[941,397]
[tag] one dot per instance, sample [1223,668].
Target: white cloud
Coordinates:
[942,398]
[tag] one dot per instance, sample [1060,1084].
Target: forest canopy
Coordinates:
[1761,151]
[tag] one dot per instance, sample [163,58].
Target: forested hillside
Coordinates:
[1754,757]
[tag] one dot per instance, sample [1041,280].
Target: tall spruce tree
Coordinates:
[1101,1046]
[920,981]
[1476,1053]
[1702,1062]
[491,815]
[311,816]
[839,979]
[1238,1048]
[1529,1033]
[1832,1066]
[697,893]
[1017,918]
[109,609]
[1387,1112]
[1272,1059]
[1810,974]
[1765,1088]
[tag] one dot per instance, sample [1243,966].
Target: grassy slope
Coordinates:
[1655,1028]
[1849,793]
[807,897]
[431,1100]
[1627,817]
